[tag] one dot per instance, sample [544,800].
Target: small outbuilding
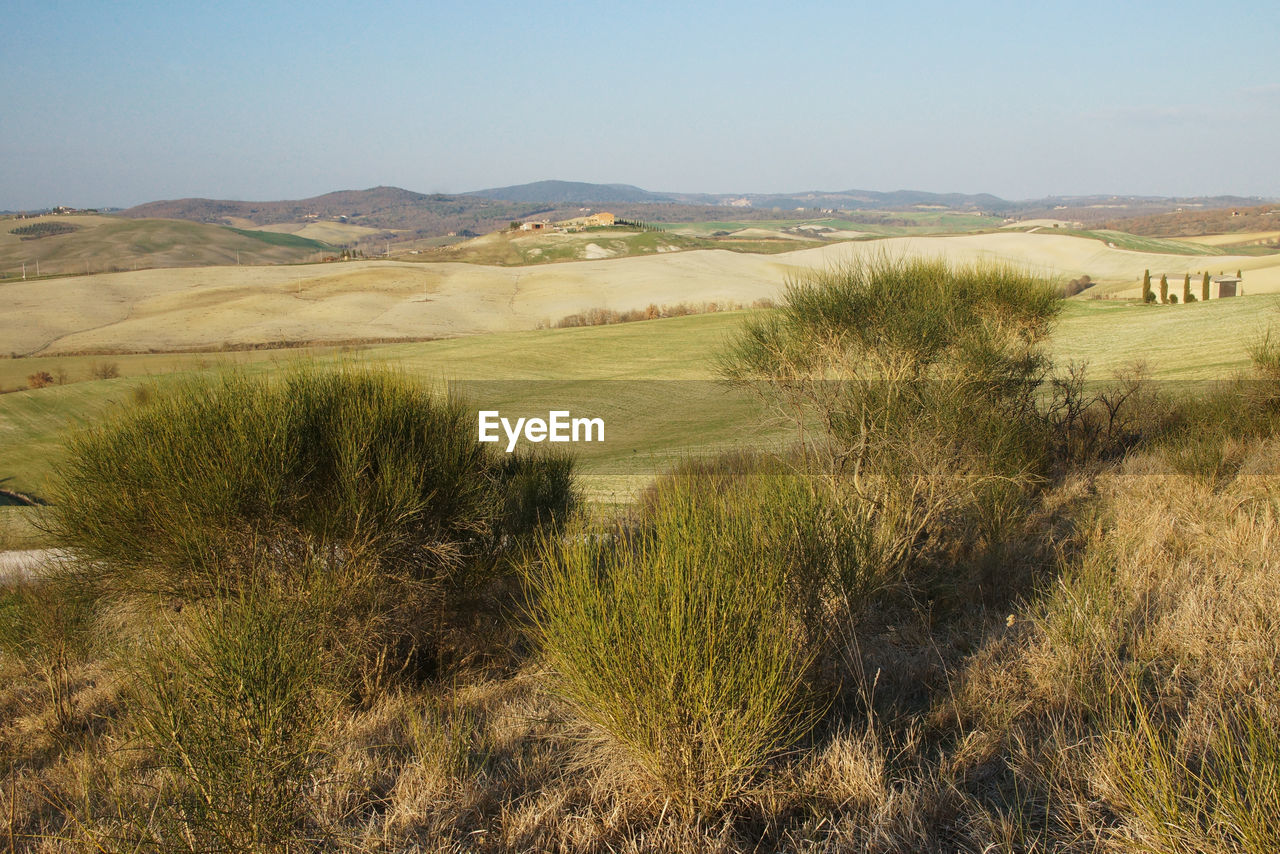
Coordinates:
[1227,285]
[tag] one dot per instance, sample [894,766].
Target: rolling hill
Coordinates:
[1199,221]
[379,300]
[95,244]
[402,213]
[574,192]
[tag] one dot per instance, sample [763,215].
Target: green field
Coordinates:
[652,381]
[1135,243]
[279,238]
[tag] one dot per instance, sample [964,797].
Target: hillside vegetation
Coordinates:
[97,244]
[978,601]
[1190,223]
[380,207]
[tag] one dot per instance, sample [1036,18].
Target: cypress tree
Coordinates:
[1186,289]
[1164,289]
[1204,287]
[1146,286]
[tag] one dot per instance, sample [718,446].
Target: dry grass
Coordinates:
[1130,705]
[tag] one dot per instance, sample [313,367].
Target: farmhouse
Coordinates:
[602,218]
[1227,285]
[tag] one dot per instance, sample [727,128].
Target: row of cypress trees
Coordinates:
[1148,296]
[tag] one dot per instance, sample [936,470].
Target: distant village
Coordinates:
[60,210]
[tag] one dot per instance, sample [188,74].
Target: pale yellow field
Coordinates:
[766,233]
[1039,223]
[1238,239]
[187,308]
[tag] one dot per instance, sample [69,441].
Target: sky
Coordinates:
[115,104]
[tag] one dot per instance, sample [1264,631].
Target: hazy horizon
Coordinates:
[124,104]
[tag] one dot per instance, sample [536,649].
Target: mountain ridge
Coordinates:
[411,213]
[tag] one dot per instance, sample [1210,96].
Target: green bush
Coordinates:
[918,385]
[354,481]
[684,640]
[342,469]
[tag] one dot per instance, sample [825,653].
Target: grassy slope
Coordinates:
[106,243]
[514,249]
[589,371]
[1159,245]
[1203,340]
[278,238]
[594,371]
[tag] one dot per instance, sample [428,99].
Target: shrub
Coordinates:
[40,379]
[683,640]
[105,370]
[919,385]
[355,480]
[47,627]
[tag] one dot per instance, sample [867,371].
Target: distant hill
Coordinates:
[96,244]
[395,214]
[857,200]
[579,193]
[390,208]
[573,192]
[1196,221]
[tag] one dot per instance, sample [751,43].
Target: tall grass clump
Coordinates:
[1222,795]
[682,640]
[232,704]
[916,386]
[47,628]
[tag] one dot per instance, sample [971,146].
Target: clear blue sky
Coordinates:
[126,102]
